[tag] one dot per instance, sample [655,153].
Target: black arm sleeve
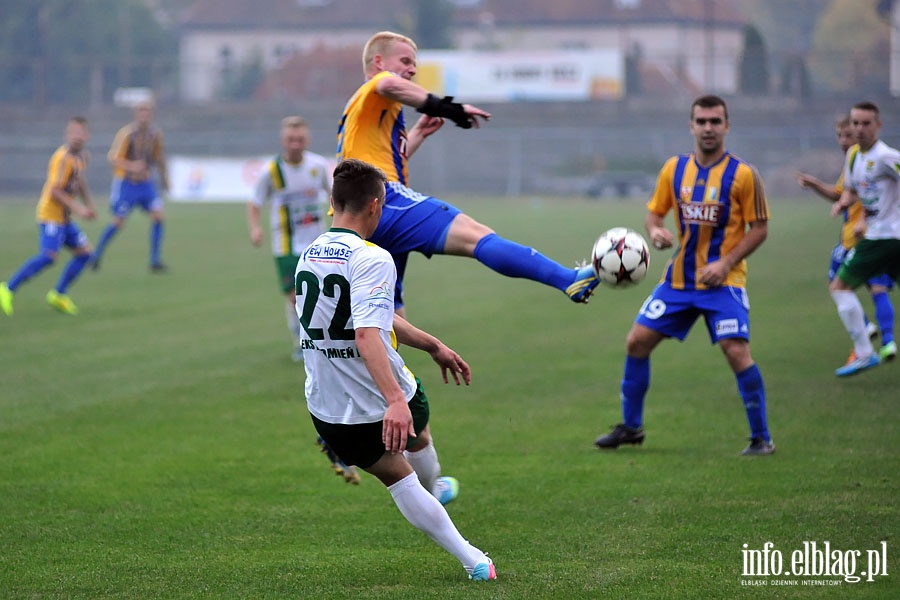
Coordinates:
[445,107]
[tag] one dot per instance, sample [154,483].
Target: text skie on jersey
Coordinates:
[700,213]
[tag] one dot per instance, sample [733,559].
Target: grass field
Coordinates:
[157,445]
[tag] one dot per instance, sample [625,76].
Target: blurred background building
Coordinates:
[588,95]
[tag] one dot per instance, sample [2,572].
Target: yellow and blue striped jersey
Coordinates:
[63,171]
[372,129]
[713,206]
[855,213]
[131,143]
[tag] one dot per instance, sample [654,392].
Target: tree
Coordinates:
[754,68]
[851,47]
[795,77]
[243,82]
[787,27]
[57,51]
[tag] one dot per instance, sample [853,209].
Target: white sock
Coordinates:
[424,511]
[426,465]
[293,322]
[851,312]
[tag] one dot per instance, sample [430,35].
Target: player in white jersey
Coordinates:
[871,177]
[297,184]
[363,400]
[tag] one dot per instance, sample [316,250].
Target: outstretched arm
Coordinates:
[445,357]
[412,94]
[808,182]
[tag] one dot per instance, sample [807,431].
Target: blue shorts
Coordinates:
[837,258]
[125,195]
[726,311]
[54,236]
[411,222]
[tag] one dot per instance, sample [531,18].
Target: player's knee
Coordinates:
[466,232]
[639,342]
[737,352]
[837,284]
[422,440]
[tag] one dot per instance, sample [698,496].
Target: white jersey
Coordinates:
[299,194]
[875,177]
[344,283]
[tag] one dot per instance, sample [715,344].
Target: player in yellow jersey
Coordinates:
[136,151]
[373,129]
[879,285]
[721,215]
[59,201]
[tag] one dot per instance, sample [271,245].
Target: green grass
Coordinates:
[157,446]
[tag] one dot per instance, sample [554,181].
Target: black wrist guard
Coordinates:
[445,107]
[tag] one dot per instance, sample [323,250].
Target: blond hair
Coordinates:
[380,43]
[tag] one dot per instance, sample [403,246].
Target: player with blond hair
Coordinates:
[373,129]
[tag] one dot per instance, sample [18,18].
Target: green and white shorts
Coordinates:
[870,258]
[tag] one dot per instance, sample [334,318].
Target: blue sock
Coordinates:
[884,314]
[635,383]
[73,268]
[515,260]
[29,269]
[107,235]
[156,235]
[753,393]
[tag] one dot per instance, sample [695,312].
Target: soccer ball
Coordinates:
[620,257]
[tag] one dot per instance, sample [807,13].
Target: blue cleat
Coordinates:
[446,489]
[858,365]
[583,286]
[484,571]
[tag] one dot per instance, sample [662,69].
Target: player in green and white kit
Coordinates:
[297,184]
[872,177]
[363,400]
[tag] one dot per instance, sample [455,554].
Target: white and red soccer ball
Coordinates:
[620,257]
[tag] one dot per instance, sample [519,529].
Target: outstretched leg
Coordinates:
[467,237]
[425,513]
[105,238]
